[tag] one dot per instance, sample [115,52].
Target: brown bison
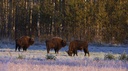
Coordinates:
[55,43]
[77,45]
[23,42]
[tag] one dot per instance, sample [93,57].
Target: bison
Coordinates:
[77,45]
[55,43]
[24,42]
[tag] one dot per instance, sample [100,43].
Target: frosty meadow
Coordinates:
[35,59]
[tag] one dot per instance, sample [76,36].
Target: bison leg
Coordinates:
[19,48]
[55,51]
[73,54]
[16,47]
[76,52]
[48,50]
[86,51]
[24,49]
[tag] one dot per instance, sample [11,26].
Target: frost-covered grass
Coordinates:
[35,59]
[73,64]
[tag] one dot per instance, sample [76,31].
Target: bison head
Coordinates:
[69,53]
[63,43]
[31,41]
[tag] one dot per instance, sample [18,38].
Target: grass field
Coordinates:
[35,59]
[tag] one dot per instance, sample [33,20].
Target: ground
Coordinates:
[35,59]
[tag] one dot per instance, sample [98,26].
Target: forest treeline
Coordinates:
[91,20]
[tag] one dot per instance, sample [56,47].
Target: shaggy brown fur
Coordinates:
[55,43]
[24,42]
[77,45]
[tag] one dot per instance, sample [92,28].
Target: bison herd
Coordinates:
[55,43]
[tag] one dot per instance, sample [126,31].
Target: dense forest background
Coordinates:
[92,20]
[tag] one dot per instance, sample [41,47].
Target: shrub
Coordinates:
[96,59]
[20,56]
[123,56]
[50,57]
[109,56]
[127,58]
